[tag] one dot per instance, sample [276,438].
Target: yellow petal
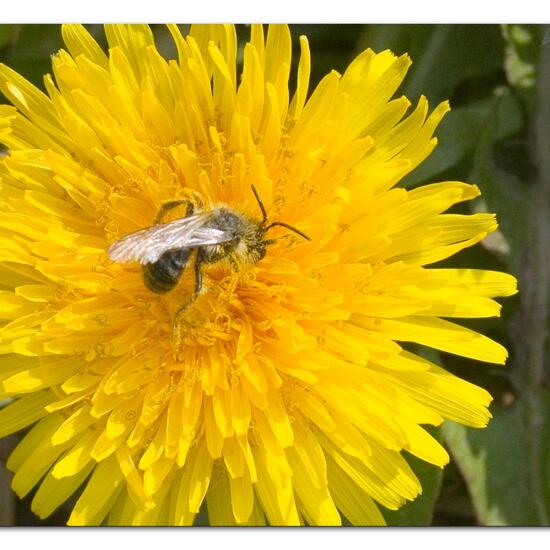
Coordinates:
[24,411]
[100,492]
[79,42]
[445,336]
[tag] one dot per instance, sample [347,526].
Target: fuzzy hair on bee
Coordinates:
[165,249]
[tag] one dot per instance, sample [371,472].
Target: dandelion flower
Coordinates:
[291,394]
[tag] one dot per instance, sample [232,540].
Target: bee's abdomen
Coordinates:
[163,275]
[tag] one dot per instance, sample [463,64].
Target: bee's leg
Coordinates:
[234,264]
[181,311]
[167,206]
[198,275]
[234,280]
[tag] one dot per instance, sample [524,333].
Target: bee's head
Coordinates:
[256,243]
[261,250]
[262,242]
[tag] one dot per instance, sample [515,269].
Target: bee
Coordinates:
[165,249]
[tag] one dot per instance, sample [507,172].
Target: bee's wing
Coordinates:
[147,245]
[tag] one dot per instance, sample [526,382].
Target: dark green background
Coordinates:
[497,78]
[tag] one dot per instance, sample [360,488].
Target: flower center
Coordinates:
[213,316]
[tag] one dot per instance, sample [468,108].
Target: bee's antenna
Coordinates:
[283,224]
[260,203]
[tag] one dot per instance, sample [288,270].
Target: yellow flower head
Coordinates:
[273,388]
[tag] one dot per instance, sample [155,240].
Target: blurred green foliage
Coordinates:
[491,74]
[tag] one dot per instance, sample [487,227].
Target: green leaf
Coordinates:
[201,519]
[7,34]
[444,56]
[332,47]
[496,464]
[503,191]
[460,131]
[521,54]
[164,42]
[30,54]
[419,511]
